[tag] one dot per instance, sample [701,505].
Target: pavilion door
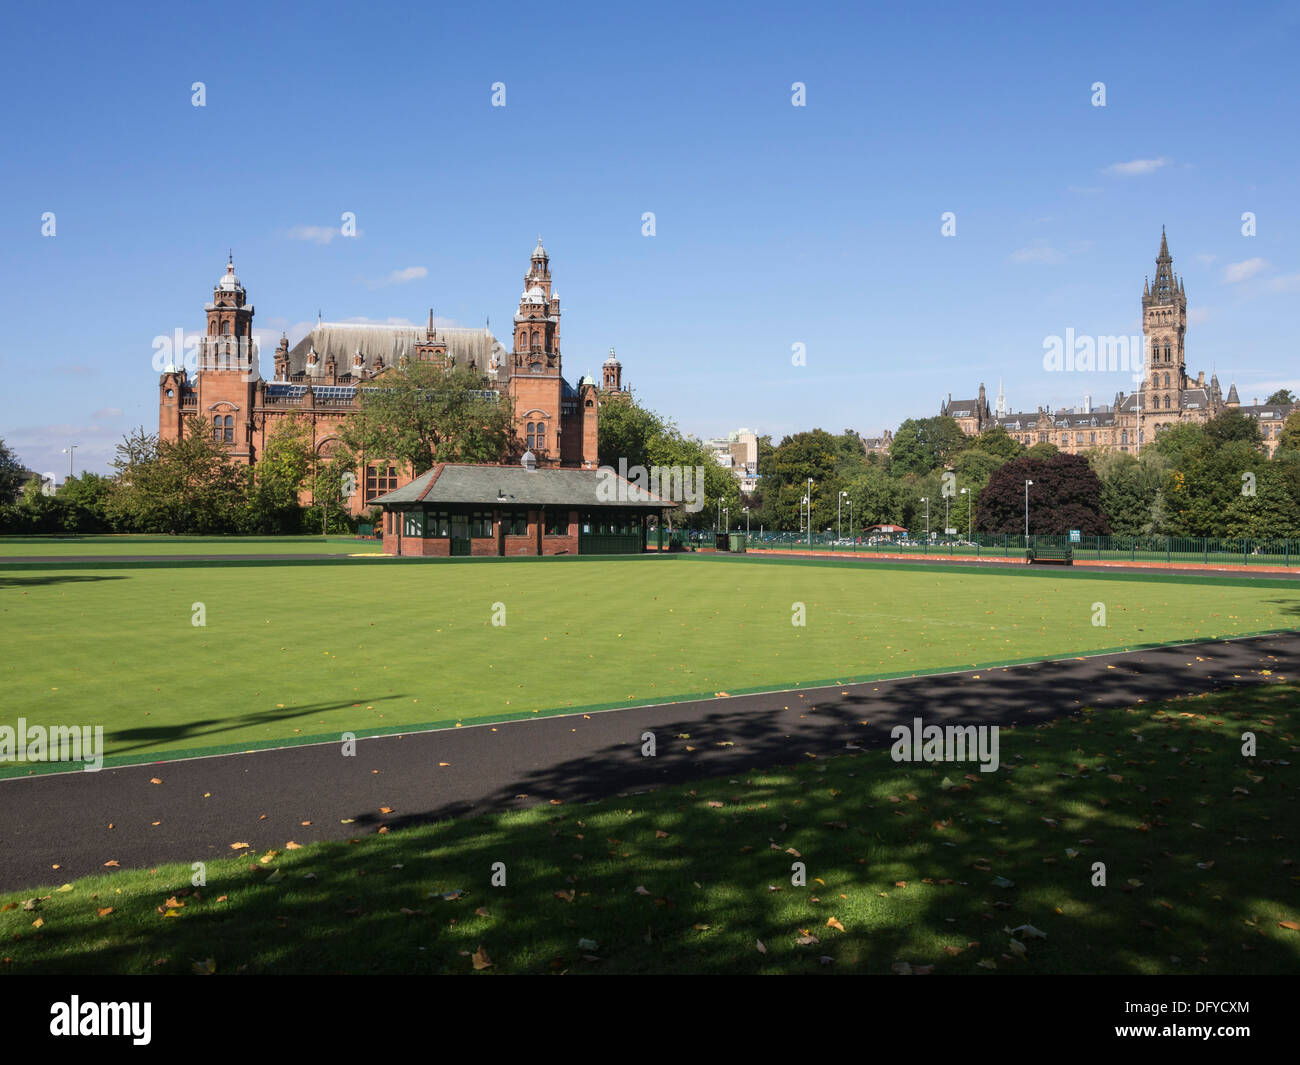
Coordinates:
[460,544]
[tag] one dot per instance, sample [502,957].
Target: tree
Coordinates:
[12,475]
[997,441]
[1130,488]
[278,478]
[420,414]
[1231,426]
[1282,397]
[1042,450]
[924,444]
[627,431]
[1290,439]
[1065,495]
[797,458]
[85,502]
[183,486]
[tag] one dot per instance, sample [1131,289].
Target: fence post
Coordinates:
[1132,548]
[1167,549]
[1205,547]
[1245,558]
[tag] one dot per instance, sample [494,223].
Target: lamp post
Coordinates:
[746,523]
[726,520]
[810,487]
[69,452]
[926,501]
[839,503]
[945,515]
[851,526]
[1027,484]
[969,514]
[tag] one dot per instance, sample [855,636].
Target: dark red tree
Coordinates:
[1065,495]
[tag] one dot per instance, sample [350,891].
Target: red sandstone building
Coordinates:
[322,377]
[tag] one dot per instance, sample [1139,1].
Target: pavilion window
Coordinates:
[515,522]
[480,524]
[438,524]
[557,523]
[413,523]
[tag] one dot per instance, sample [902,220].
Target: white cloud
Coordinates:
[314,234]
[1036,253]
[1198,315]
[1204,258]
[401,277]
[1286,283]
[1244,270]
[1136,167]
[107,412]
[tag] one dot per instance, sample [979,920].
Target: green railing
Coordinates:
[609,544]
[1239,551]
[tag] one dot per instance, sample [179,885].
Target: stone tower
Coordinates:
[535,382]
[1164,325]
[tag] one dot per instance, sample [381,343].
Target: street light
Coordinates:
[926,501]
[726,520]
[945,515]
[969,515]
[746,509]
[839,502]
[1027,484]
[851,525]
[69,452]
[810,484]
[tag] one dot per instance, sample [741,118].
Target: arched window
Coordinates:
[225,329]
[212,327]
[541,436]
[230,429]
[536,339]
[531,437]
[1166,353]
[1166,380]
[1166,402]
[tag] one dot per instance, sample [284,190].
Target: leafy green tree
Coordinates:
[279,477]
[627,431]
[1042,450]
[12,474]
[1232,426]
[85,501]
[419,414]
[1290,439]
[997,441]
[1281,397]
[925,444]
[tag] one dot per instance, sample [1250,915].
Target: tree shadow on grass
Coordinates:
[693,878]
[53,578]
[152,735]
[699,880]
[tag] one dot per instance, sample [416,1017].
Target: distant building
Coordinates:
[1167,396]
[878,445]
[738,453]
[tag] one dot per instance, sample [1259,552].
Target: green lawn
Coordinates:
[55,547]
[294,651]
[1198,844]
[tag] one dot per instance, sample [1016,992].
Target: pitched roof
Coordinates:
[451,483]
[390,342]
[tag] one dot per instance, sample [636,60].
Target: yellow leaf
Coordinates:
[834,923]
[238,846]
[481,959]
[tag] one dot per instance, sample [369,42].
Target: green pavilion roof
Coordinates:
[449,484]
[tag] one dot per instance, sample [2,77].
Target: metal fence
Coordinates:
[1239,551]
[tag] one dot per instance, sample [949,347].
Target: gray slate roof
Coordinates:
[391,342]
[450,483]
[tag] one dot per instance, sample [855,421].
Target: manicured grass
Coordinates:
[1198,844]
[292,652]
[55,547]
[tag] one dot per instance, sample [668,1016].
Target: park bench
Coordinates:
[1061,555]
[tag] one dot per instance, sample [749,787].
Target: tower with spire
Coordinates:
[1164,326]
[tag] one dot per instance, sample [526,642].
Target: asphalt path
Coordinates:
[78,821]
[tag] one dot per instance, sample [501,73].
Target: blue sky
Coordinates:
[775,225]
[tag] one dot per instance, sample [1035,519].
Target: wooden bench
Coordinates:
[1060,555]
